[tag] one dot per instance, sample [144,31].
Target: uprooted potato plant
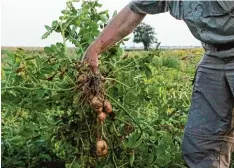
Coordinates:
[84,126]
[91,87]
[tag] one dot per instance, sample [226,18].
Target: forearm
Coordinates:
[119,27]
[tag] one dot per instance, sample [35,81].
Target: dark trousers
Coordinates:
[209,134]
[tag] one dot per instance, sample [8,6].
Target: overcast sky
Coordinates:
[22,23]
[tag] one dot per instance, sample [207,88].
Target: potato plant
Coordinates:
[57,113]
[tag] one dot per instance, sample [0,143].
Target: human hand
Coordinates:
[91,57]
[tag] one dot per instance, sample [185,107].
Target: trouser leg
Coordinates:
[208,138]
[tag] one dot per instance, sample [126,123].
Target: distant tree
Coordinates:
[145,34]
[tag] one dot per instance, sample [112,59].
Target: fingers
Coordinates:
[91,57]
[92,62]
[94,69]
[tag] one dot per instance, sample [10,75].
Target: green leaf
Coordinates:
[11,55]
[2,147]
[103,18]
[149,58]
[61,17]
[103,12]
[45,35]
[54,24]
[107,15]
[48,50]
[40,93]
[85,9]
[165,150]
[6,68]
[38,61]
[86,36]
[114,91]
[148,72]
[47,28]
[82,30]
[126,39]
[150,158]
[93,25]
[7,114]
[115,13]
[98,4]
[64,11]
[3,83]
[77,22]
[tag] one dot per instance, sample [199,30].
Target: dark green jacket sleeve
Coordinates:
[148,7]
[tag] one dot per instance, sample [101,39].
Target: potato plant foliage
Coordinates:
[46,122]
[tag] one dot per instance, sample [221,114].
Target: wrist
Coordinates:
[95,48]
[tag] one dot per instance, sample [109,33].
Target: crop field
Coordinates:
[46,123]
[57,114]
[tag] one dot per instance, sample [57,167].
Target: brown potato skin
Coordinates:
[107,106]
[102,116]
[98,110]
[82,78]
[96,103]
[101,148]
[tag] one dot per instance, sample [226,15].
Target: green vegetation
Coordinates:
[47,123]
[35,109]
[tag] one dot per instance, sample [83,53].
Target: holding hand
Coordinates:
[91,57]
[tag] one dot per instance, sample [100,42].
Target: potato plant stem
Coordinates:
[63,36]
[72,162]
[103,133]
[122,121]
[113,158]
[90,136]
[128,114]
[126,66]
[115,129]
[117,81]
[32,76]
[124,164]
